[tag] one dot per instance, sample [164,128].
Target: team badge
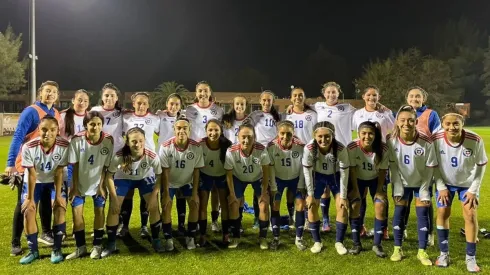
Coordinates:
[295,154]
[56,157]
[331,157]
[214,112]
[144,165]
[148,121]
[380,116]
[308,118]
[255,160]
[340,108]
[190,156]
[419,151]
[116,114]
[467,152]
[104,151]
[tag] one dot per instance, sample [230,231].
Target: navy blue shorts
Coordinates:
[413,190]
[292,186]
[372,185]
[241,186]
[38,190]
[452,191]
[321,181]
[207,182]
[144,186]
[185,191]
[99,201]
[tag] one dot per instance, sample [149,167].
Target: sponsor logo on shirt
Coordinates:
[295,154]
[419,151]
[467,152]
[190,156]
[104,151]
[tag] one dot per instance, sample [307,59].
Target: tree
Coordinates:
[12,68]
[396,74]
[158,98]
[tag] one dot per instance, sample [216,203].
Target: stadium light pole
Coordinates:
[32,54]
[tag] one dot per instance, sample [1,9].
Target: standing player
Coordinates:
[44,158]
[181,159]
[234,118]
[412,163]
[150,123]
[302,116]
[90,155]
[321,159]
[462,159]
[247,162]
[134,166]
[286,171]
[368,159]
[72,118]
[214,148]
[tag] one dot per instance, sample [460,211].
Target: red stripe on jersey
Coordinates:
[437,136]
[234,148]
[259,146]
[425,138]
[150,153]
[341,147]
[33,143]
[62,144]
[298,141]
[384,146]
[80,134]
[471,136]
[310,146]
[193,142]
[168,142]
[271,143]
[352,145]
[119,153]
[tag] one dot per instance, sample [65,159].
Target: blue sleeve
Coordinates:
[434,122]
[28,122]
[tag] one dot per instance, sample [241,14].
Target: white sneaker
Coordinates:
[430,240]
[79,252]
[233,243]
[316,248]
[263,244]
[96,252]
[405,234]
[215,227]
[110,248]
[191,244]
[340,248]
[169,245]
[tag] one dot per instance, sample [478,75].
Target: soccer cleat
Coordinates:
[424,257]
[316,248]
[471,265]
[169,244]
[79,252]
[263,244]
[430,240]
[96,252]
[256,224]
[378,250]
[397,254]
[300,244]
[56,256]
[144,233]
[285,227]
[123,232]
[215,227]
[157,246]
[443,260]
[16,250]
[108,250]
[233,243]
[30,257]
[274,245]
[340,248]
[46,238]
[356,249]
[190,243]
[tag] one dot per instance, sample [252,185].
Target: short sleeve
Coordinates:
[270,151]
[228,160]
[73,152]
[157,168]
[307,159]
[385,159]
[352,155]
[431,160]
[199,158]
[191,113]
[481,156]
[114,164]
[163,155]
[157,124]
[108,156]
[27,160]
[64,158]
[343,157]
[264,158]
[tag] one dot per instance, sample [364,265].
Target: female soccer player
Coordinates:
[264,120]
[321,157]
[90,155]
[247,162]
[44,158]
[368,159]
[302,116]
[234,118]
[214,148]
[462,160]
[72,118]
[134,166]
[26,130]
[286,171]
[150,123]
[412,162]
[181,158]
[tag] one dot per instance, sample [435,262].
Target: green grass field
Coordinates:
[136,256]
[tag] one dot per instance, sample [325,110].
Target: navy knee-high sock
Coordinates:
[355,225]
[300,223]
[340,232]
[399,224]
[443,238]
[325,205]
[422,225]
[276,223]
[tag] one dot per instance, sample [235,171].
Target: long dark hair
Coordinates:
[70,115]
[230,117]
[211,90]
[175,95]
[273,111]
[90,115]
[377,142]
[334,146]
[118,93]
[306,107]
[126,150]
[224,143]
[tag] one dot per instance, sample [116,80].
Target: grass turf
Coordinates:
[136,255]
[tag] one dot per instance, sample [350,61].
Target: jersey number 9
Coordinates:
[454,162]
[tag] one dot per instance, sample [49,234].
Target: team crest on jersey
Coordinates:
[467,152]
[331,157]
[308,118]
[144,165]
[378,115]
[340,108]
[419,151]
[190,156]
[255,160]
[104,151]
[116,114]
[56,157]
[214,112]
[295,154]
[148,121]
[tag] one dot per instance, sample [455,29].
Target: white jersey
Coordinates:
[385,120]
[324,163]
[92,160]
[150,123]
[78,127]
[181,162]
[458,163]
[200,116]
[247,168]
[213,166]
[147,166]
[410,164]
[166,127]
[113,125]
[303,124]
[365,161]
[340,115]
[265,126]
[286,162]
[232,133]
[45,163]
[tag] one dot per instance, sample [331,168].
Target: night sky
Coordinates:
[139,44]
